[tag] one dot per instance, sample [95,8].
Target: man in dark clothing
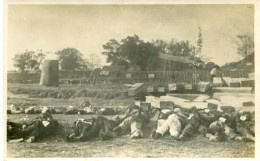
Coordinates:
[87,129]
[206,117]
[39,128]
[245,125]
[12,128]
[191,127]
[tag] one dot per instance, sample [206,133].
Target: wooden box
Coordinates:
[128,75]
[125,87]
[188,86]
[248,83]
[161,89]
[217,82]
[150,89]
[172,87]
[166,105]
[203,86]
[155,101]
[212,106]
[135,89]
[145,106]
[151,76]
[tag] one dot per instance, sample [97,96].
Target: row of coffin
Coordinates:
[133,89]
[201,102]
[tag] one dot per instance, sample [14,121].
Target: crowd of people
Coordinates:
[178,122]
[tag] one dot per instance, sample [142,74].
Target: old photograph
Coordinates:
[130,81]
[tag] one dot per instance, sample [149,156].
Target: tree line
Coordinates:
[130,52]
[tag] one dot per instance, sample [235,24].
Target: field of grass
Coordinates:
[21,95]
[65,92]
[123,146]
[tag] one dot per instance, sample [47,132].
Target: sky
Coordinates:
[87,27]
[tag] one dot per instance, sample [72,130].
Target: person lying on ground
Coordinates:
[35,130]
[87,129]
[226,125]
[192,125]
[12,128]
[220,131]
[12,109]
[206,117]
[245,126]
[133,119]
[170,121]
[217,124]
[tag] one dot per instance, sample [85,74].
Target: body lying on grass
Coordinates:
[87,129]
[39,128]
[133,119]
[216,125]
[237,126]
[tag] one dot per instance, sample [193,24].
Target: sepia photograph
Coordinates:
[129,81]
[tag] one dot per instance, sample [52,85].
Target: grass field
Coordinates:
[123,146]
[55,146]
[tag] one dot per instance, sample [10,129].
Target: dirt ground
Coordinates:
[123,146]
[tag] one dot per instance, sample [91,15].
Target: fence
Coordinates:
[35,78]
[123,77]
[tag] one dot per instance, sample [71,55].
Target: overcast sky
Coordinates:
[88,27]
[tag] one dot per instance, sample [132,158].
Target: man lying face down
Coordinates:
[87,129]
[39,128]
[133,119]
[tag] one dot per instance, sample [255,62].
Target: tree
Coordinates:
[180,48]
[129,49]
[29,60]
[174,47]
[245,45]
[148,57]
[132,52]
[70,59]
[93,61]
[113,54]
[161,46]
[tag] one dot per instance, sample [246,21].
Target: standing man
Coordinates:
[215,72]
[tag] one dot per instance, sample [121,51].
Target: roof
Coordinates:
[176,58]
[115,68]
